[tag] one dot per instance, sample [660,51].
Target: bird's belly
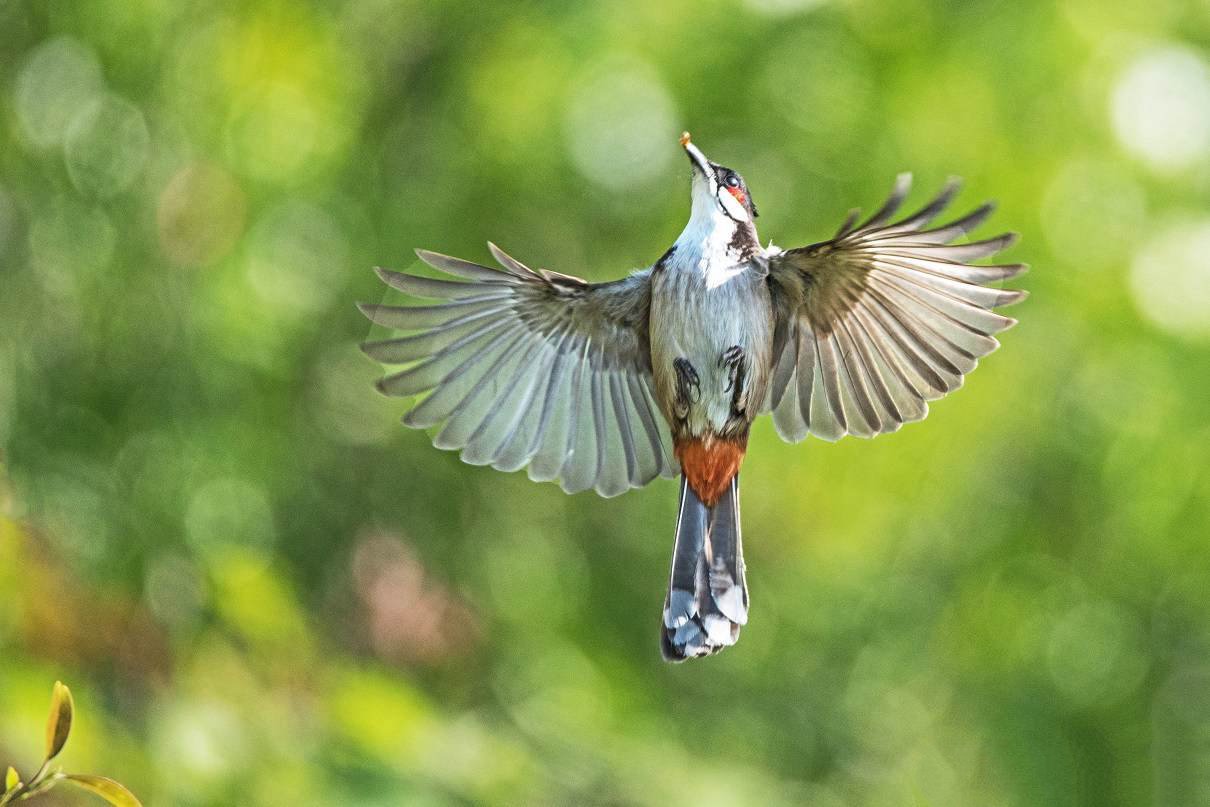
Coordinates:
[711,347]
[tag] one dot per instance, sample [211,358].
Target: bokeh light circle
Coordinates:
[1161,108]
[295,257]
[1093,654]
[70,242]
[229,512]
[339,401]
[1092,213]
[1170,278]
[59,78]
[106,146]
[621,125]
[8,394]
[782,8]
[822,84]
[8,220]
[174,590]
[281,132]
[200,214]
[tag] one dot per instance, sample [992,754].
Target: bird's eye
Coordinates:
[732,180]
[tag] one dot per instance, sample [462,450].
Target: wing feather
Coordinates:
[435,289]
[502,410]
[448,365]
[659,439]
[859,379]
[804,383]
[418,317]
[476,389]
[551,439]
[617,469]
[522,367]
[580,467]
[518,446]
[827,411]
[883,318]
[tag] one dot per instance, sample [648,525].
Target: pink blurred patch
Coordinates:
[411,618]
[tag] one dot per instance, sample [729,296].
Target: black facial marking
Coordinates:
[744,243]
[726,177]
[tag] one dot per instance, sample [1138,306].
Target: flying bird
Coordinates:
[605,386]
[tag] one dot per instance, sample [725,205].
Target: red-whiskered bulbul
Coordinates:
[608,385]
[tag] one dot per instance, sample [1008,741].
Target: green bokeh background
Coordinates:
[264,591]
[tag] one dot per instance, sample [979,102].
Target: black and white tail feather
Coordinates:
[707,600]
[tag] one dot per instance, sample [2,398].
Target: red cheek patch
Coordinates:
[738,194]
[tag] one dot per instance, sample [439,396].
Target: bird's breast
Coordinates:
[711,340]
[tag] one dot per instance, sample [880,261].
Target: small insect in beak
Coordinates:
[696,158]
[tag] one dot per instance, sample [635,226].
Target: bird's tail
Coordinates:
[707,596]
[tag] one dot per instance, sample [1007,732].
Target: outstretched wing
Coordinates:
[882,318]
[529,368]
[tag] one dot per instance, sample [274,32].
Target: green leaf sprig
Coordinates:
[58,727]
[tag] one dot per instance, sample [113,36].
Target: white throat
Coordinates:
[708,244]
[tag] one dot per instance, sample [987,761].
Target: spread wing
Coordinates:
[882,318]
[529,368]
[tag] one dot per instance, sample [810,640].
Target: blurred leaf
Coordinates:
[106,788]
[11,779]
[58,723]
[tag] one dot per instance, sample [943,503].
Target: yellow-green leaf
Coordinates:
[58,724]
[104,787]
[11,779]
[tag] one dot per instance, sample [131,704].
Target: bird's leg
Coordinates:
[688,386]
[732,360]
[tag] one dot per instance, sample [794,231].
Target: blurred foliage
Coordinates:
[274,594]
[58,729]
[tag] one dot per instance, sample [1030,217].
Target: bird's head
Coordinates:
[721,200]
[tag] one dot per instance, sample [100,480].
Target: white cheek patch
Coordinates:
[734,209]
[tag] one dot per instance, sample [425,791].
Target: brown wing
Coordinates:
[529,368]
[882,318]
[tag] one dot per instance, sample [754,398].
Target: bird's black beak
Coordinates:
[695,156]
